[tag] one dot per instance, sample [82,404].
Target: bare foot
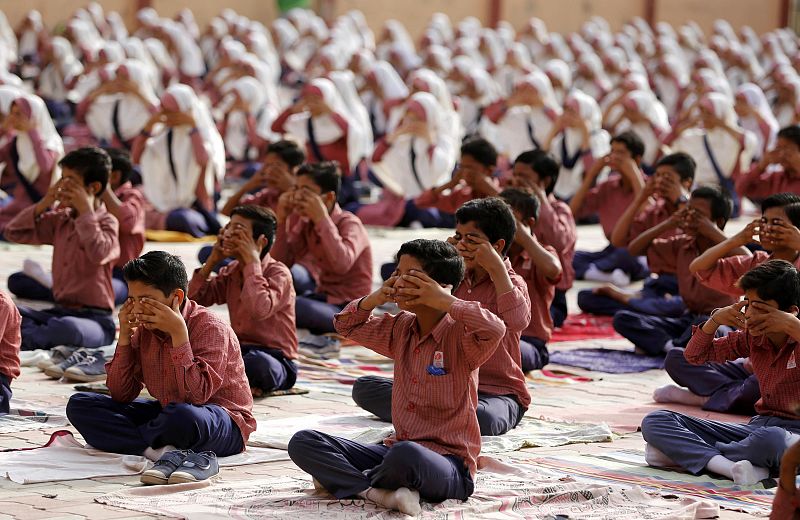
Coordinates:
[257,392]
[613,292]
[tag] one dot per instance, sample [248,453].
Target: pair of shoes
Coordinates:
[320,347]
[56,370]
[91,369]
[182,466]
[58,355]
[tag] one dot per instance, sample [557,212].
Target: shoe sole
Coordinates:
[54,372]
[44,365]
[180,477]
[153,479]
[83,378]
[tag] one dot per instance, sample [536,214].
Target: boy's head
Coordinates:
[524,205]
[673,172]
[88,167]
[121,167]
[627,145]
[478,157]
[487,219]
[437,259]
[536,168]
[773,213]
[711,203]
[323,179]
[793,214]
[775,283]
[156,275]
[788,145]
[257,221]
[281,162]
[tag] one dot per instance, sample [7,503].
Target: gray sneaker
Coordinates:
[58,355]
[164,467]
[57,370]
[195,467]
[93,368]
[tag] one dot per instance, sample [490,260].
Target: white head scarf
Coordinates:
[755,98]
[40,117]
[359,135]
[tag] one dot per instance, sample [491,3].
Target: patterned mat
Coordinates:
[606,360]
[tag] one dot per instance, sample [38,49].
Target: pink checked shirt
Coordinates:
[449,201]
[608,200]
[555,227]
[727,271]
[760,185]
[260,300]
[207,370]
[267,197]
[541,292]
[338,249]
[438,412]
[131,223]
[776,368]
[10,337]
[653,214]
[502,373]
[84,251]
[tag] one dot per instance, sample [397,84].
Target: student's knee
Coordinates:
[490,424]
[403,456]
[654,424]
[363,387]
[674,362]
[764,447]
[81,406]
[304,444]
[625,320]
[181,416]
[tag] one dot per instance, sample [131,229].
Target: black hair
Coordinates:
[289,152]
[681,162]
[264,223]
[481,150]
[158,269]
[793,213]
[774,280]
[544,164]
[493,216]
[438,259]
[721,203]
[791,133]
[632,142]
[91,162]
[325,174]
[779,200]
[523,201]
[121,162]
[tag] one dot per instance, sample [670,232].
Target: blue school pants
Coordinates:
[5,393]
[729,387]
[497,414]
[89,328]
[653,299]
[652,333]
[558,309]
[534,353]
[23,286]
[608,260]
[312,310]
[346,468]
[691,442]
[133,427]
[205,252]
[268,369]
[192,222]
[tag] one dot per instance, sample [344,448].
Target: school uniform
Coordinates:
[85,248]
[10,340]
[691,442]
[608,200]
[131,235]
[652,333]
[341,256]
[757,185]
[555,227]
[541,291]
[447,203]
[436,442]
[202,399]
[261,303]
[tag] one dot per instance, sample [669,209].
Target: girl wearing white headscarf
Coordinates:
[182,159]
[388,94]
[478,92]
[29,35]
[590,77]
[671,79]
[416,157]
[577,140]
[560,77]
[426,80]
[755,115]
[525,119]
[245,126]
[31,156]
[644,114]
[361,145]
[60,73]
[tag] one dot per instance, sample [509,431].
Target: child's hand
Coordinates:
[247,249]
[75,196]
[785,235]
[748,234]
[157,316]
[218,251]
[732,315]
[385,293]
[771,321]
[286,206]
[311,205]
[426,292]
[789,463]
[481,251]
[127,321]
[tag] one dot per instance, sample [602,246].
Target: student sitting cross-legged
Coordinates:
[186,357]
[260,296]
[72,217]
[438,342]
[769,334]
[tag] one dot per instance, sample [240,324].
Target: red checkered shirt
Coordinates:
[776,368]
[502,373]
[131,223]
[10,338]
[207,370]
[260,300]
[556,227]
[541,292]
[438,412]
[267,197]
[727,271]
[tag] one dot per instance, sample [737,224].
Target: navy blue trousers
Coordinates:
[205,252]
[192,222]
[23,286]
[497,414]
[651,333]
[5,393]
[608,260]
[558,309]
[267,369]
[59,326]
[534,353]
[691,442]
[653,300]
[346,468]
[729,386]
[312,310]
[133,427]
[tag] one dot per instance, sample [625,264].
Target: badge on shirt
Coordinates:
[792,363]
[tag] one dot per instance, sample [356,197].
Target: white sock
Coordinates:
[155,454]
[745,474]
[404,500]
[676,394]
[619,278]
[656,458]
[37,272]
[595,274]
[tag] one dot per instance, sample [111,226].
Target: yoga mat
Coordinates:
[501,492]
[163,235]
[584,326]
[534,433]
[21,420]
[606,360]
[361,427]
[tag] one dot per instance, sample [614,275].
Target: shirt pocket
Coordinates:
[441,396]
